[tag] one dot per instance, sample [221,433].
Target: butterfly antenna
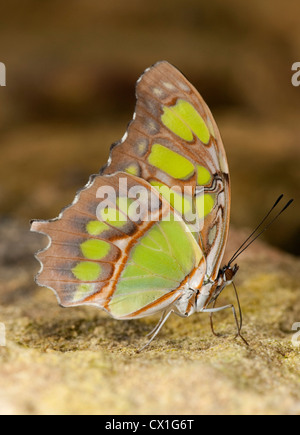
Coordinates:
[256,229]
[244,246]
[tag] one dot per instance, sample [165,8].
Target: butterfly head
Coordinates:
[225,278]
[228,273]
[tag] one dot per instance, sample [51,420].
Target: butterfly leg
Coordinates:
[212,323]
[215,310]
[157,325]
[164,318]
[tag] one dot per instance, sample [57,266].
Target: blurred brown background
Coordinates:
[71,72]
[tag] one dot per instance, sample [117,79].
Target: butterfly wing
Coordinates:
[174,142]
[110,254]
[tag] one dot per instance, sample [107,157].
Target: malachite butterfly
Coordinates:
[172,156]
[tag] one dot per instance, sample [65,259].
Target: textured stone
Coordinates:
[78,361]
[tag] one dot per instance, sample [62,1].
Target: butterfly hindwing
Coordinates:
[174,142]
[106,256]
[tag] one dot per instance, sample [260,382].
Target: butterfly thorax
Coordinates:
[211,290]
[196,300]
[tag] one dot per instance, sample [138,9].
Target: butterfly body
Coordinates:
[170,165]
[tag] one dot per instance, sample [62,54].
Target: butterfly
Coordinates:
[105,251]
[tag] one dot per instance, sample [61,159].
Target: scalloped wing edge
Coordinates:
[36,222]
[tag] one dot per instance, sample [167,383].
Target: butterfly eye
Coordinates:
[229,274]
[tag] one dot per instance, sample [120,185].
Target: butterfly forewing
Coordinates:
[174,143]
[120,246]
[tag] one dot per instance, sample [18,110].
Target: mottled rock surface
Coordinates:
[76,361]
